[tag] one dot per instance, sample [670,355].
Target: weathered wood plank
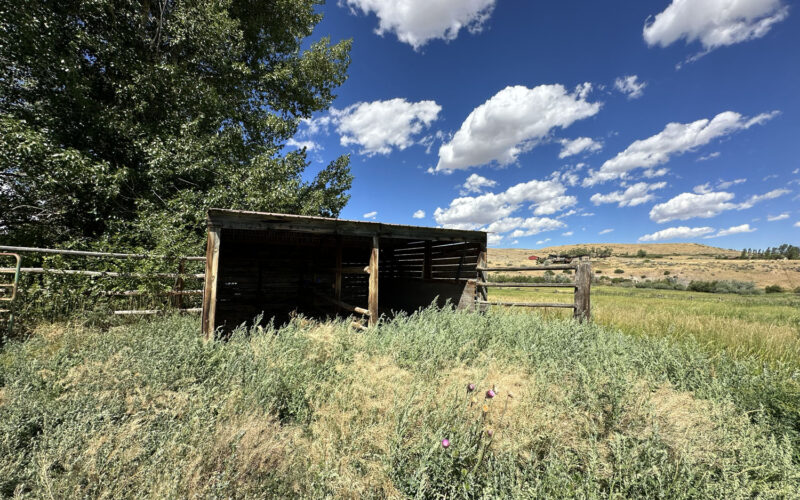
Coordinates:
[210,288]
[481,293]
[337,286]
[373,281]
[583,279]
[554,267]
[343,305]
[133,312]
[86,253]
[97,274]
[527,285]
[427,262]
[529,304]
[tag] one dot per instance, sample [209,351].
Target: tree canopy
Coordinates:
[122,121]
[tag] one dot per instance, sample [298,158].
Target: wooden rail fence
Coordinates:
[178,292]
[581,304]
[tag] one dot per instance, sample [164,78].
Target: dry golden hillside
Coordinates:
[686,261]
[654,248]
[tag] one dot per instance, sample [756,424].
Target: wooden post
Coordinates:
[179,284]
[583,284]
[481,292]
[337,287]
[210,285]
[373,282]
[427,263]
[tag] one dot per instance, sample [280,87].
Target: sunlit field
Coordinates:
[763,326]
[315,410]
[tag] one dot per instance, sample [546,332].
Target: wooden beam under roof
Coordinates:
[240,219]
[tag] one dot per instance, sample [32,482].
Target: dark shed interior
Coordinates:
[278,264]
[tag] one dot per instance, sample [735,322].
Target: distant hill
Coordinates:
[684,261]
[632,248]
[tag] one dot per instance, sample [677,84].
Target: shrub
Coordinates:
[724,286]
[641,254]
[665,284]
[797,290]
[619,271]
[666,273]
[774,289]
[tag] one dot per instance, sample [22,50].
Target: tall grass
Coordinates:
[765,327]
[316,410]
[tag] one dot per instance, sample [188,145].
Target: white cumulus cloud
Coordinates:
[681,232]
[571,147]
[691,205]
[378,127]
[416,22]
[756,198]
[606,231]
[476,184]
[675,139]
[709,156]
[714,23]
[370,215]
[744,228]
[630,86]
[704,204]
[513,121]
[634,195]
[419,214]
[727,184]
[472,212]
[568,233]
[773,218]
[797,224]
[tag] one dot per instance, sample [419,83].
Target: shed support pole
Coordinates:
[373,282]
[583,283]
[210,285]
[337,287]
[427,263]
[481,292]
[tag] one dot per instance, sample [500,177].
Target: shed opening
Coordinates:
[279,264]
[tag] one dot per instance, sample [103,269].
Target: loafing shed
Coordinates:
[277,264]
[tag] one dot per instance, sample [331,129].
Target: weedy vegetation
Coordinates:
[149,409]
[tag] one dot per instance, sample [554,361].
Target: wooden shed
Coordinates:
[276,264]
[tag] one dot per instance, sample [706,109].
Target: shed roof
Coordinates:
[242,219]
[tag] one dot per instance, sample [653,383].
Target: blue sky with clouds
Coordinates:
[551,123]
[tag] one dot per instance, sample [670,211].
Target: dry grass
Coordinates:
[684,261]
[319,411]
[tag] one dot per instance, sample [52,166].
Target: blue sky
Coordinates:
[551,123]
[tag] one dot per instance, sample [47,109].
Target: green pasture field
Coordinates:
[319,410]
[763,326]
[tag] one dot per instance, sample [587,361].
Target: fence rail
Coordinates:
[86,253]
[177,293]
[581,304]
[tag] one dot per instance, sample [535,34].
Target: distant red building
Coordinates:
[533,257]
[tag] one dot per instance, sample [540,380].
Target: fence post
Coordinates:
[179,285]
[481,292]
[210,284]
[583,284]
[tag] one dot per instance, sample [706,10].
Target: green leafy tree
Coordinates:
[122,121]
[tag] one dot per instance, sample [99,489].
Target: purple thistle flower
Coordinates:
[470,387]
[445,443]
[489,432]
[490,394]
